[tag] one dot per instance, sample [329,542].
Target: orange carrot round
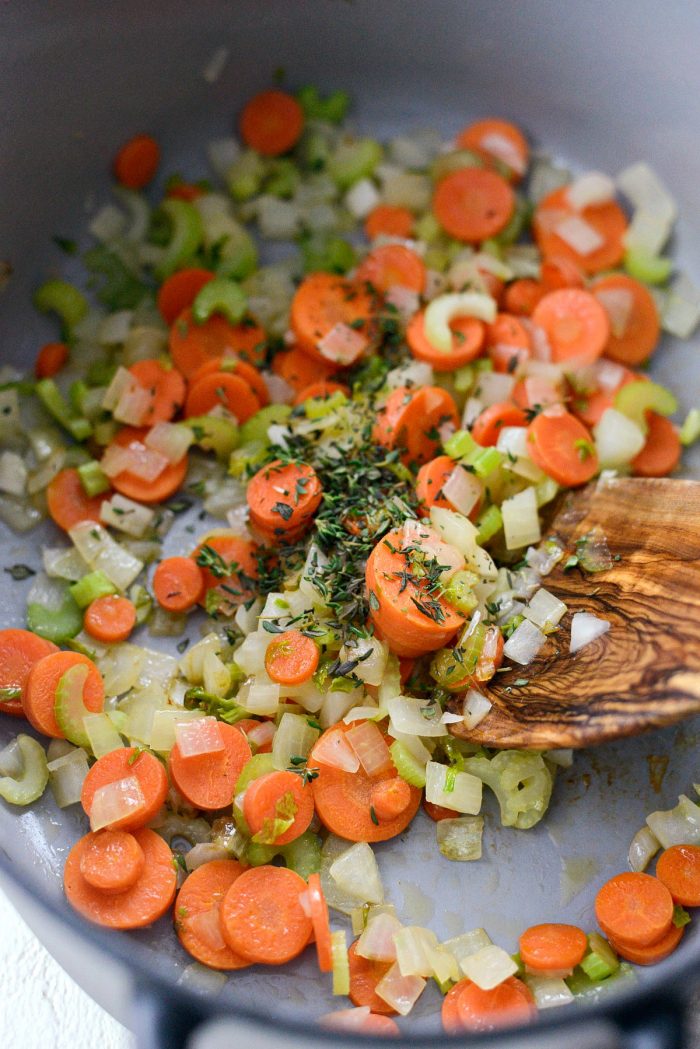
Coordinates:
[507,1004]
[500,140]
[438,812]
[208,781]
[300,370]
[268,796]
[178,584]
[112,860]
[50,359]
[589,406]
[239,555]
[321,923]
[389,220]
[283,498]
[272,123]
[653,954]
[197,914]
[411,418]
[324,300]
[468,336]
[222,389]
[429,481]
[640,336]
[552,946]
[137,161]
[662,451]
[634,909]
[576,325]
[291,658]
[40,690]
[163,487]
[186,191]
[148,898]
[472,204]
[68,502]
[234,366]
[110,619]
[262,918]
[122,764]
[522,295]
[679,869]
[192,344]
[487,427]
[321,391]
[393,265]
[365,974]
[19,651]
[166,386]
[509,343]
[608,220]
[562,446]
[179,291]
[390,798]
[560,272]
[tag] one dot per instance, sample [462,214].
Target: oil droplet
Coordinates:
[576,873]
[417,908]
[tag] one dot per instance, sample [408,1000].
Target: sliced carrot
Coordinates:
[156,491]
[438,812]
[634,909]
[137,161]
[166,386]
[552,946]
[390,799]
[608,220]
[343,801]
[122,764]
[39,698]
[451,1021]
[283,498]
[324,300]
[589,406]
[179,291]
[192,344]
[68,503]
[271,797]
[272,122]
[640,336]
[507,1004]
[321,391]
[178,584]
[50,359]
[488,425]
[576,325]
[208,781]
[653,954]
[429,481]
[112,860]
[406,665]
[393,265]
[225,390]
[509,343]
[365,974]
[148,898]
[389,220]
[522,295]
[197,914]
[468,335]
[499,140]
[234,366]
[239,556]
[472,204]
[262,918]
[186,191]
[679,869]
[560,272]
[412,620]
[562,446]
[321,923]
[300,370]
[291,658]
[410,420]
[110,619]
[19,651]
[662,451]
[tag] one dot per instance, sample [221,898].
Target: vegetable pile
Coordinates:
[455,334]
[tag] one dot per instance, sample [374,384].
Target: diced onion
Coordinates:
[66,777]
[262,734]
[512,440]
[164,724]
[475,709]
[586,628]
[262,699]
[488,967]
[222,154]
[544,610]
[171,440]
[335,751]
[643,847]
[127,516]
[107,224]
[446,308]
[591,188]
[133,405]
[521,522]
[377,940]
[460,947]
[195,738]
[335,706]
[618,439]
[681,312]
[647,232]
[278,389]
[400,992]
[414,717]
[413,949]
[549,991]
[494,387]
[579,234]
[609,375]
[294,738]
[121,668]
[466,792]
[250,656]
[13,474]
[412,373]
[644,189]
[373,655]
[356,872]
[102,553]
[114,801]
[404,301]
[370,746]
[524,643]
[361,198]
[342,344]
[216,676]
[562,756]
[677,826]
[462,490]
[145,463]
[460,839]
[102,734]
[115,328]
[205,852]
[618,303]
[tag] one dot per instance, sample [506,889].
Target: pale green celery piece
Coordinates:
[600,961]
[248,456]
[464,378]
[583,987]
[690,430]
[92,479]
[70,708]
[637,398]
[428,229]
[186,235]
[258,765]
[459,592]
[303,855]
[254,430]
[407,766]
[437,258]
[55,624]
[31,782]
[461,444]
[245,178]
[485,461]
[52,399]
[283,178]
[213,434]
[446,163]
[105,432]
[239,255]
[489,523]
[142,602]
[58,296]
[521,782]
[259,855]
[352,160]
[317,407]
[648,268]
[90,587]
[313,150]
[333,108]
[223,296]
[322,251]
[517,223]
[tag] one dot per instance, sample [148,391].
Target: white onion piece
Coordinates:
[643,847]
[586,628]
[446,308]
[448,718]
[466,793]
[66,776]
[342,345]
[107,224]
[133,405]
[524,643]
[115,460]
[462,490]
[377,940]
[618,303]
[677,826]
[404,300]
[549,991]
[262,699]
[503,149]
[96,546]
[102,734]
[205,852]
[591,188]
[413,949]
[195,738]
[206,925]
[355,871]
[579,234]
[361,198]
[472,410]
[494,387]
[278,389]
[114,801]
[488,967]
[127,516]
[171,440]
[334,750]
[414,717]
[237,520]
[13,474]
[475,709]
[370,746]
[617,439]
[544,610]
[647,232]
[645,190]
[608,375]
[222,154]
[412,373]
[512,440]
[294,738]
[115,328]
[145,463]
[400,992]
[681,312]
[262,734]
[373,655]
[521,522]
[163,727]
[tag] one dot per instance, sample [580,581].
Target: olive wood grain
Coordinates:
[645,672]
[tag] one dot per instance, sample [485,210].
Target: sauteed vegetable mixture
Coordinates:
[442,338]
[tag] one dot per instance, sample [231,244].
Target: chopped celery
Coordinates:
[246,176]
[314,150]
[650,269]
[332,108]
[254,430]
[283,178]
[461,444]
[30,783]
[680,916]
[583,987]
[220,295]
[55,624]
[446,163]
[303,855]
[142,602]
[459,592]
[600,961]
[690,430]
[105,432]
[341,963]
[321,251]
[247,458]
[70,707]
[258,765]
[215,434]
[464,378]
[352,160]
[489,523]
[92,479]
[637,398]
[237,254]
[407,765]
[52,399]
[485,461]
[259,855]
[186,234]
[58,296]
[516,225]
[318,407]
[100,372]
[427,229]
[521,782]
[91,586]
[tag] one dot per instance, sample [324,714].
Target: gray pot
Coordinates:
[600,85]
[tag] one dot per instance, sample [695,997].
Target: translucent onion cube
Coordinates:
[400,992]
[66,777]
[164,724]
[377,940]
[102,734]
[355,871]
[206,926]
[488,967]
[524,643]
[294,738]
[371,748]
[334,750]
[195,738]
[465,795]
[114,801]
[413,951]
[460,947]
[544,610]
[549,991]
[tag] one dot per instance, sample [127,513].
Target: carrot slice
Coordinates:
[589,407]
[186,191]
[429,481]
[393,265]
[197,914]
[321,923]
[262,918]
[324,300]
[634,909]
[491,421]
[19,651]
[300,370]
[291,658]
[278,795]
[653,954]
[227,552]
[679,869]
[179,291]
[552,946]
[640,335]
[505,1005]
[521,296]
[222,389]
[165,484]
[438,812]
[50,359]
[178,584]
[148,898]
[272,122]
[410,420]
[468,335]
[283,498]
[68,502]
[390,799]
[560,272]
[562,446]
[235,366]
[343,801]
[365,974]
[576,325]
[166,386]
[39,697]
[112,860]
[389,220]
[321,391]
[192,344]
[110,619]
[208,781]
[608,220]
[499,140]
[121,764]
[472,204]
[451,1021]
[509,343]
[662,451]
[137,161]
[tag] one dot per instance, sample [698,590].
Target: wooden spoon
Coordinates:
[643,673]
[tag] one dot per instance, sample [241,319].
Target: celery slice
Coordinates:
[223,296]
[341,963]
[690,430]
[254,430]
[58,296]
[650,269]
[55,624]
[489,523]
[351,161]
[186,235]
[521,782]
[407,765]
[94,482]
[31,782]
[637,398]
[303,855]
[70,708]
[461,445]
[246,176]
[601,961]
[52,399]
[90,587]
[213,434]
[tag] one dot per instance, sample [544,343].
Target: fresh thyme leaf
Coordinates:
[284,510]
[19,572]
